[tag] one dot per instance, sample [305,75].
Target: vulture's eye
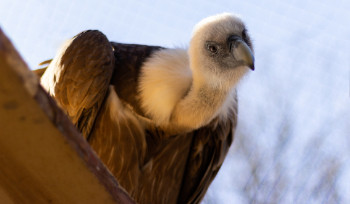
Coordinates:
[212,48]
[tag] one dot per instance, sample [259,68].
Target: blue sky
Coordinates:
[302,53]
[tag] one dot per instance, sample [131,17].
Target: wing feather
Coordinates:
[79,76]
[208,150]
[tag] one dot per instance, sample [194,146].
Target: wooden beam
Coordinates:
[43,158]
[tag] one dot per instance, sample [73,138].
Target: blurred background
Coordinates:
[292,144]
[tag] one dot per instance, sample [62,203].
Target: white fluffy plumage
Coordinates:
[165,79]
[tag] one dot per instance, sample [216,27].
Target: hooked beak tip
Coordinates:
[252,67]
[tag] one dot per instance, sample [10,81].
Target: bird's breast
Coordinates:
[148,163]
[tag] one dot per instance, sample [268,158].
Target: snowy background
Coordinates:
[293,139]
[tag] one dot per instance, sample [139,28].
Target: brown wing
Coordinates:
[79,76]
[208,150]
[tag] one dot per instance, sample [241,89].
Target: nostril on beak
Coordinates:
[233,38]
[232,41]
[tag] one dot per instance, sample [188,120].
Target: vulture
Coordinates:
[161,119]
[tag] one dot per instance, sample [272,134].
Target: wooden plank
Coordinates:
[43,158]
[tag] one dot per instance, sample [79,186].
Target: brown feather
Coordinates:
[79,77]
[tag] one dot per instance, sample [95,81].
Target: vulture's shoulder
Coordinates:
[129,59]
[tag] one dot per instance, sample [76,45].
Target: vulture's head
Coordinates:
[221,51]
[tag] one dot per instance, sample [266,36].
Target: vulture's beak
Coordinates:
[241,51]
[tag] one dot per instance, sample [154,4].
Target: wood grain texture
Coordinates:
[43,158]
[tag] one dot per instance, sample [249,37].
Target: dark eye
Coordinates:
[212,48]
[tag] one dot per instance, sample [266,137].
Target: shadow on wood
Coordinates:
[43,158]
